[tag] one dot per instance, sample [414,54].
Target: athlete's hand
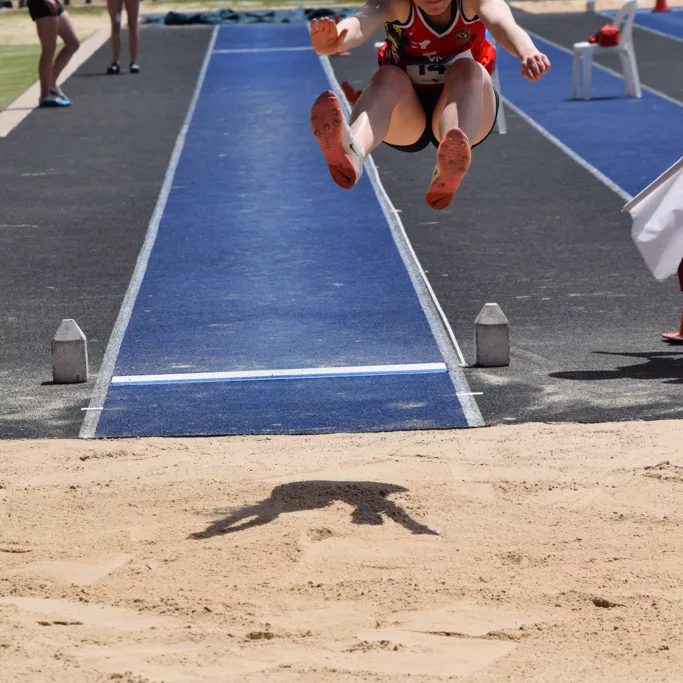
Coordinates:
[53,7]
[534,65]
[325,37]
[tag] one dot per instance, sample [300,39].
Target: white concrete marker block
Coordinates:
[69,354]
[492,337]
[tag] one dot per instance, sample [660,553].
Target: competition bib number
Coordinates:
[430,73]
[427,74]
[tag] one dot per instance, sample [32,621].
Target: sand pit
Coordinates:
[528,553]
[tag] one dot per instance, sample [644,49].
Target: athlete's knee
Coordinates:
[465,70]
[391,77]
[72,44]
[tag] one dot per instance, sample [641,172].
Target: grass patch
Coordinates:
[19,69]
[20,49]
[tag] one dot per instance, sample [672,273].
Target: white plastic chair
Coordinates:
[584,51]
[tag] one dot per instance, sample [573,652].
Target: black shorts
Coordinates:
[38,9]
[428,97]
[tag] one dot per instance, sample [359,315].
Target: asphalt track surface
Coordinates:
[77,190]
[530,230]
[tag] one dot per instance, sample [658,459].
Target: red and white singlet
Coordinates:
[425,52]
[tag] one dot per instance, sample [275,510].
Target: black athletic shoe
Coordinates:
[114,68]
[134,68]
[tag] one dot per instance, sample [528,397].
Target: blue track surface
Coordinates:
[631,141]
[262,262]
[667,23]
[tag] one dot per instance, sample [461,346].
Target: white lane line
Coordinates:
[250,50]
[569,152]
[298,373]
[441,329]
[558,143]
[106,370]
[18,110]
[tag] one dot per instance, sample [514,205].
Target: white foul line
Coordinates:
[89,426]
[298,373]
[248,50]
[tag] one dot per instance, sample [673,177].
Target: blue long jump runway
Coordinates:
[667,24]
[630,141]
[263,267]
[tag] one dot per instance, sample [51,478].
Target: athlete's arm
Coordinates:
[498,19]
[329,38]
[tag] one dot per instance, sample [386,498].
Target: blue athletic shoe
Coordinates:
[58,92]
[52,101]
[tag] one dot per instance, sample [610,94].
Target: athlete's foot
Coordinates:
[343,153]
[56,91]
[114,68]
[53,101]
[452,161]
[134,68]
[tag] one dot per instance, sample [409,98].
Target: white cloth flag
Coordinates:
[657,214]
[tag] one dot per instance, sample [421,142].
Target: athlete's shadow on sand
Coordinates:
[369,500]
[664,365]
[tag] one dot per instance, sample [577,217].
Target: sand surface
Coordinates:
[514,553]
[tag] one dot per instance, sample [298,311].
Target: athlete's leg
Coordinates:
[132,12]
[67,32]
[115,7]
[464,116]
[48,28]
[388,110]
[468,102]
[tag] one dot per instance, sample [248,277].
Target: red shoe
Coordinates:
[343,154]
[452,161]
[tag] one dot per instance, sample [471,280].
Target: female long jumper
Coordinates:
[432,84]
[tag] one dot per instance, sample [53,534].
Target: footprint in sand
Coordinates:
[462,618]
[91,615]
[393,652]
[77,573]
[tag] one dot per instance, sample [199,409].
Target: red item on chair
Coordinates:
[661,6]
[607,36]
